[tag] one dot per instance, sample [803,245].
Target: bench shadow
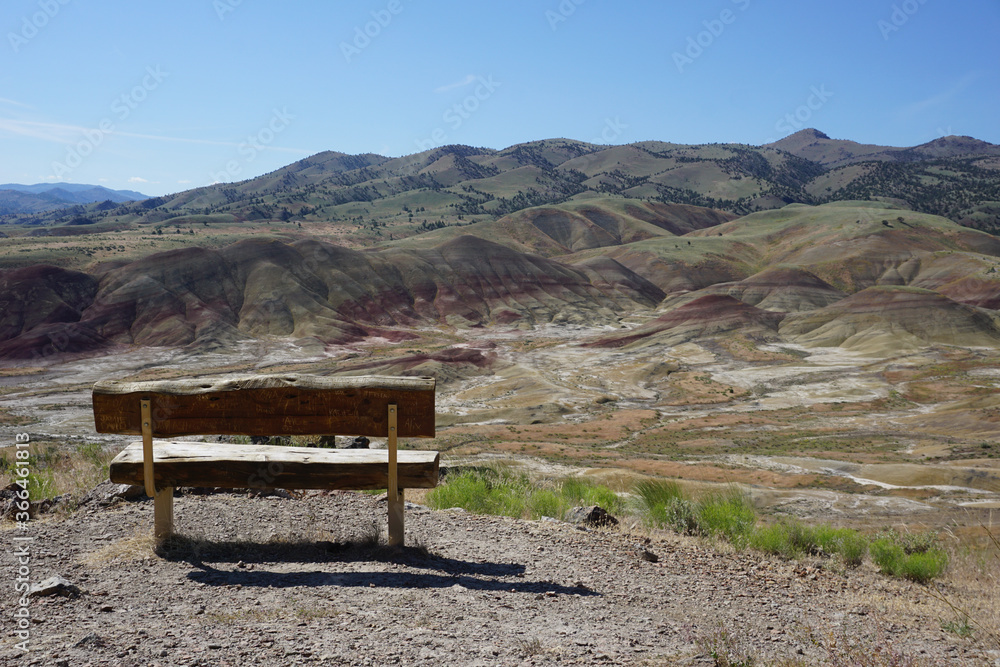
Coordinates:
[426,570]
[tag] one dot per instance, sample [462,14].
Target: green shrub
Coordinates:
[915,543]
[481,492]
[923,567]
[852,547]
[791,539]
[94,453]
[802,538]
[886,554]
[662,503]
[679,514]
[543,502]
[772,539]
[730,514]
[42,484]
[908,556]
[502,491]
[579,491]
[653,492]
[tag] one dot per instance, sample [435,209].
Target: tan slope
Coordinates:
[580,225]
[704,317]
[887,319]
[852,245]
[814,145]
[782,289]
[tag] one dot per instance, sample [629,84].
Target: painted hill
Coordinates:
[704,317]
[864,276]
[890,319]
[782,289]
[303,290]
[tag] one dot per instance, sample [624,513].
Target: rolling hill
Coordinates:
[370,198]
[808,240]
[860,275]
[303,290]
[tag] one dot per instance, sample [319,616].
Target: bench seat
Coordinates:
[180,463]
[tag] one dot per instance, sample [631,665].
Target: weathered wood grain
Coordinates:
[263,466]
[286,404]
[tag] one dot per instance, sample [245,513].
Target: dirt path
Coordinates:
[271,581]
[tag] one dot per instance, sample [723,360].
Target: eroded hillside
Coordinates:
[837,359]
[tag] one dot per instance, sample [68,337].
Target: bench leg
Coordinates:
[396,519]
[394,495]
[163,513]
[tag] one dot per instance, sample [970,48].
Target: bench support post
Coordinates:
[394,497]
[163,513]
[147,447]
[163,499]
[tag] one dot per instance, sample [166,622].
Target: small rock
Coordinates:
[593,515]
[327,441]
[90,640]
[54,585]
[647,555]
[108,492]
[361,442]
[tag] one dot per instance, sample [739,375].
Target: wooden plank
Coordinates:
[263,466]
[285,404]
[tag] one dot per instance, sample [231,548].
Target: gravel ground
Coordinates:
[297,581]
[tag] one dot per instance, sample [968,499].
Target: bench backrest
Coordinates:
[286,404]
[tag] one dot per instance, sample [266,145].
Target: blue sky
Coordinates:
[162,97]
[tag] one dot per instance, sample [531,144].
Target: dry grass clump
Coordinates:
[969,596]
[140,546]
[55,471]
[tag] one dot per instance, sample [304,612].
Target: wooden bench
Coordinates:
[268,405]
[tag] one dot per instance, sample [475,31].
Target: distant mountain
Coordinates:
[816,146]
[371,199]
[43,197]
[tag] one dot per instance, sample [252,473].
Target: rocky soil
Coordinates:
[298,581]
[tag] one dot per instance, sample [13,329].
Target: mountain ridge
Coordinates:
[372,197]
[16,198]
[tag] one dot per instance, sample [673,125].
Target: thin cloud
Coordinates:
[15,103]
[137,179]
[942,98]
[53,132]
[70,134]
[469,78]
